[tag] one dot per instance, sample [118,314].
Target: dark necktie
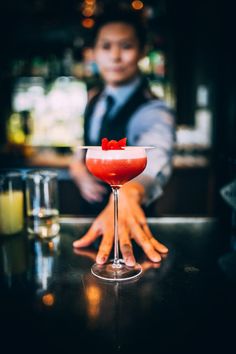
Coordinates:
[105,119]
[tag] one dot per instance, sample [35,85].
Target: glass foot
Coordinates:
[119,272]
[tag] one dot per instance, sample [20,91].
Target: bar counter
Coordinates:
[51,303]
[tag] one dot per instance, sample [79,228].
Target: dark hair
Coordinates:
[128,17]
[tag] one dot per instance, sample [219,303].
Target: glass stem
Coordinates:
[116,262]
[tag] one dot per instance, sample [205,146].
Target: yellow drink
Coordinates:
[11,212]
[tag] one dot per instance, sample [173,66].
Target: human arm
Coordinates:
[153,125]
[132,225]
[155,130]
[90,188]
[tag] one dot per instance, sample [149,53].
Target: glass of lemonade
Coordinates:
[42,203]
[11,203]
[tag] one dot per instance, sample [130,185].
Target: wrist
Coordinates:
[133,190]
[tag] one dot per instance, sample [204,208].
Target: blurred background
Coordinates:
[47,68]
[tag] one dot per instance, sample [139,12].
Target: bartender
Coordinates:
[125,107]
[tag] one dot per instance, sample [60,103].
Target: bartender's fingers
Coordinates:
[159,246]
[141,238]
[141,219]
[126,247]
[156,244]
[90,236]
[105,246]
[139,214]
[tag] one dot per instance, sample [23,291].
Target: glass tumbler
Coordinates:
[42,203]
[11,203]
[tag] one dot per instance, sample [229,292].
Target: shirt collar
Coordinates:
[122,93]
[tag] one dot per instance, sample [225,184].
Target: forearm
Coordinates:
[157,130]
[77,168]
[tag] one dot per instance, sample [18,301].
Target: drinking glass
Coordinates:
[42,203]
[11,203]
[116,167]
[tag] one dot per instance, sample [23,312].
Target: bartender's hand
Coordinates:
[90,188]
[132,224]
[91,254]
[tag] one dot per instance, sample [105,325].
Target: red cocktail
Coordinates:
[116,167]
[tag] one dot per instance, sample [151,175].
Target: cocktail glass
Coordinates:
[116,167]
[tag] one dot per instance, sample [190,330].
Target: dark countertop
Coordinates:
[50,302]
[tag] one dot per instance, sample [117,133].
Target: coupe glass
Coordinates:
[116,167]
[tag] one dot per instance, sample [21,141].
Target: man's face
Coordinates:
[117,53]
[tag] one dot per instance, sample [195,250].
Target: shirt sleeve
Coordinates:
[154,125]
